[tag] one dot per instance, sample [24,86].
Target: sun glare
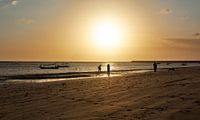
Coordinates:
[107,35]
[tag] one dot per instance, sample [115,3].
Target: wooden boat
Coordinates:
[49,67]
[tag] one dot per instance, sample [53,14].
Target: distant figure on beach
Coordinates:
[155,66]
[99,68]
[108,69]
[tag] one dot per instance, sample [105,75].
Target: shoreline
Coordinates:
[77,75]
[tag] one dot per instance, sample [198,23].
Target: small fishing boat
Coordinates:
[52,66]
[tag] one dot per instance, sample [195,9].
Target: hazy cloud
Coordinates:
[196,34]
[165,11]
[14,2]
[6,3]
[179,39]
[183,42]
[26,21]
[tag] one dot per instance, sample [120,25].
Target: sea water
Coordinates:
[25,68]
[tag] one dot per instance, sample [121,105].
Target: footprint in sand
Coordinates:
[129,110]
[79,99]
[187,110]
[111,104]
[197,102]
[95,103]
[72,98]
[64,96]
[26,95]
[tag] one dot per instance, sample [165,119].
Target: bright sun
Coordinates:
[107,35]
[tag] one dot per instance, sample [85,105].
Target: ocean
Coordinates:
[24,69]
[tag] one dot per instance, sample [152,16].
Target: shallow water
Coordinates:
[32,68]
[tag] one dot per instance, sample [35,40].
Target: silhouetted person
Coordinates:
[108,69]
[155,66]
[99,68]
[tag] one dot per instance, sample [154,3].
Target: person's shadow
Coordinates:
[108,73]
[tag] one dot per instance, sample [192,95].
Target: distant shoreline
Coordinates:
[161,61]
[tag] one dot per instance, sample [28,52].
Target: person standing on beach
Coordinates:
[108,69]
[99,68]
[155,66]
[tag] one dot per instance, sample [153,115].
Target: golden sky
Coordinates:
[99,30]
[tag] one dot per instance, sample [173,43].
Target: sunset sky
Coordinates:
[99,30]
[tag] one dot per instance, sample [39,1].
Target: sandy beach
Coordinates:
[164,95]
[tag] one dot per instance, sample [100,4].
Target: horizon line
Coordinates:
[104,61]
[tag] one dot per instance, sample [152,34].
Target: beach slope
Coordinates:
[164,95]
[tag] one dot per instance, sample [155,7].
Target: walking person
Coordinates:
[155,66]
[99,68]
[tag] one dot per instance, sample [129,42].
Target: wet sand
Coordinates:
[67,75]
[165,95]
